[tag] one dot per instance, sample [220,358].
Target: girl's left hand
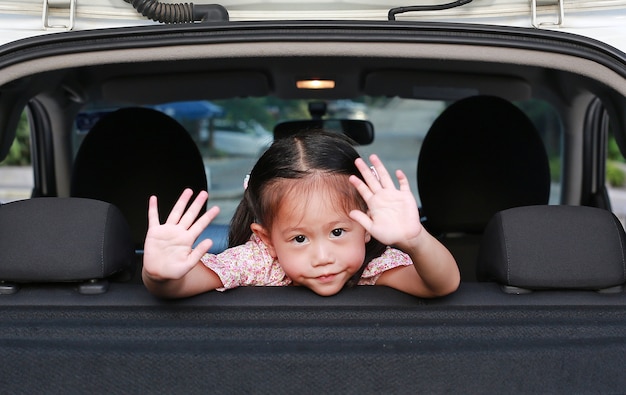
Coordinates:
[393,217]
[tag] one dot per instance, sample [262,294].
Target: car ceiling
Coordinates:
[355,71]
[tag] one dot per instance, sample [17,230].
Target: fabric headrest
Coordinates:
[553,247]
[131,154]
[62,239]
[480,156]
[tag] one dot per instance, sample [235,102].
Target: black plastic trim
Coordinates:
[310,31]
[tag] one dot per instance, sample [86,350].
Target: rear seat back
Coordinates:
[480,156]
[553,247]
[45,240]
[131,154]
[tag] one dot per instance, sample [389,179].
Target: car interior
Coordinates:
[508,170]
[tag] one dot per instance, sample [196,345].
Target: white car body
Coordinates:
[602,20]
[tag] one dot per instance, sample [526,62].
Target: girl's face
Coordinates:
[315,242]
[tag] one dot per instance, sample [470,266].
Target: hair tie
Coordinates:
[246,179]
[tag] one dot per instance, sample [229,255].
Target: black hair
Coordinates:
[290,158]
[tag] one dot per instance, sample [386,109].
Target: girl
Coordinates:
[313,214]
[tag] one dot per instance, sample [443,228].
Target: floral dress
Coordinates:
[251,264]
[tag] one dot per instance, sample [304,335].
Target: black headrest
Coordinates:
[553,247]
[62,239]
[131,154]
[480,156]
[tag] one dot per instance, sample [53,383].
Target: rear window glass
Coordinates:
[232,134]
[16,170]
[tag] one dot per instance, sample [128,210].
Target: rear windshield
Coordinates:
[232,134]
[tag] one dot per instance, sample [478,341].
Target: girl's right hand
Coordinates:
[168,252]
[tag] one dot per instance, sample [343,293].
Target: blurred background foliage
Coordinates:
[19,154]
[615,164]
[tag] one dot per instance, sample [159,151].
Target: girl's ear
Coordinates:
[368,237]
[264,235]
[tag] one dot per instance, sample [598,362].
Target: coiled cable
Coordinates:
[179,13]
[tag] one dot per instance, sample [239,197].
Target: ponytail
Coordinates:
[240,231]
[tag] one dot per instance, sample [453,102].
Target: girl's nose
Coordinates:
[323,255]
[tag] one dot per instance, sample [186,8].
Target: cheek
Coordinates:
[355,255]
[359,257]
[288,260]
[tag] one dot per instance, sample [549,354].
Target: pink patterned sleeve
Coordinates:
[249,264]
[389,259]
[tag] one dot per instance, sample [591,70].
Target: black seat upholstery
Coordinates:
[554,247]
[481,155]
[61,240]
[133,153]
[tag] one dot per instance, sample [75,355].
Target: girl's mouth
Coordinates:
[326,278]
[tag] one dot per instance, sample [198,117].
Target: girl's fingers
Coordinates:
[200,250]
[153,212]
[370,178]
[361,187]
[383,175]
[204,221]
[179,207]
[189,217]
[361,218]
[403,180]
[377,176]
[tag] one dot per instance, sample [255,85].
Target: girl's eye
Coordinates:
[337,232]
[299,239]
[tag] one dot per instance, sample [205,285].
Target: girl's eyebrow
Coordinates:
[292,229]
[330,225]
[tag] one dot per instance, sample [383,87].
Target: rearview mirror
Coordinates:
[361,131]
